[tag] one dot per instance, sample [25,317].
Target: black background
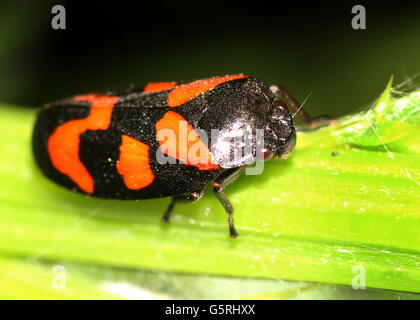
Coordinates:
[307,46]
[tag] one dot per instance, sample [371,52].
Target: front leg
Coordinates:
[183,198]
[282,93]
[225,178]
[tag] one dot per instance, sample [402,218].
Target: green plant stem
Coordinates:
[348,198]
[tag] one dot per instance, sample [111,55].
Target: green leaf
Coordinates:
[346,200]
[26,279]
[387,122]
[30,279]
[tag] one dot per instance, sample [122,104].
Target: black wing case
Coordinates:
[134,115]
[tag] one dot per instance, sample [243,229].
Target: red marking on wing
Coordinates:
[63,144]
[185,92]
[159,86]
[134,163]
[178,139]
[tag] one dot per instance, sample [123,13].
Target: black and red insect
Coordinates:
[108,144]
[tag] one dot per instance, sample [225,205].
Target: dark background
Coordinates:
[305,46]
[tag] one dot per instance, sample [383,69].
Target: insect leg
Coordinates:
[218,185]
[183,198]
[282,93]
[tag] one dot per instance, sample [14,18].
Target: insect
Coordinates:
[110,144]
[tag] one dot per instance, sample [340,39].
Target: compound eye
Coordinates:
[264,154]
[280,104]
[267,154]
